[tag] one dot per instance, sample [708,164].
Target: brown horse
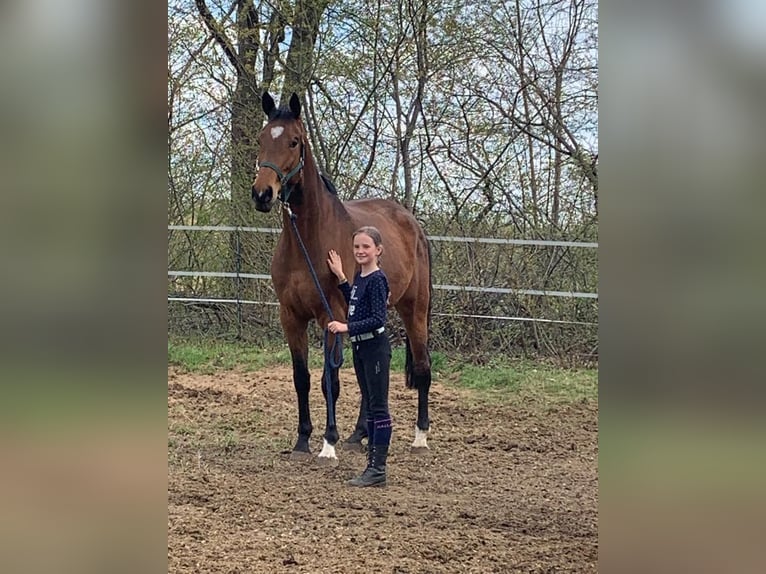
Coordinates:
[314,217]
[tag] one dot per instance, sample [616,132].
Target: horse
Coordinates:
[314,221]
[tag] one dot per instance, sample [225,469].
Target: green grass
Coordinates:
[399,357]
[199,356]
[525,379]
[503,378]
[211,356]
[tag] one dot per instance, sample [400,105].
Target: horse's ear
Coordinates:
[267,103]
[295,105]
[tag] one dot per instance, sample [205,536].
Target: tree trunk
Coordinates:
[527,117]
[300,57]
[246,116]
[245,121]
[558,157]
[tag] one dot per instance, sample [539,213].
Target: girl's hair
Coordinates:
[372,232]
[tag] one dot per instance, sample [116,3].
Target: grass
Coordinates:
[528,380]
[199,356]
[502,378]
[211,356]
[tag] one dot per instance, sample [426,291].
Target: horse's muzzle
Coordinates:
[264,199]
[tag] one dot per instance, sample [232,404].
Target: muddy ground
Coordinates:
[506,487]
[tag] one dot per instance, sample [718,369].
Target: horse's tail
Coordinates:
[409,366]
[430,288]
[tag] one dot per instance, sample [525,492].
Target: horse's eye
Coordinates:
[293,143]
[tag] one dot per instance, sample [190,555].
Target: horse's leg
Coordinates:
[354,442]
[414,315]
[328,457]
[297,341]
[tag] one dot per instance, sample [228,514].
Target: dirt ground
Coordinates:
[506,487]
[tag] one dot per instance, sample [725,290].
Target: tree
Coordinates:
[258,31]
[480,118]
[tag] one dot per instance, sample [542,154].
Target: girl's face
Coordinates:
[365,250]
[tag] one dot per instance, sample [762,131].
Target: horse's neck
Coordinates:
[317,213]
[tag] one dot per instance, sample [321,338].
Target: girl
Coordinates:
[367,303]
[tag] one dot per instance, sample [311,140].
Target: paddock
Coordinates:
[508,486]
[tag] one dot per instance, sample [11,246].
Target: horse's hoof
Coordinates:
[356,436]
[300,456]
[327,461]
[419,450]
[354,447]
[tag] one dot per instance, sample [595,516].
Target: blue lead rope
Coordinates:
[330,362]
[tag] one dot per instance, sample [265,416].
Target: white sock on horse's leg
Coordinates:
[328,451]
[420,438]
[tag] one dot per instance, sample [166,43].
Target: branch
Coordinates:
[215,29]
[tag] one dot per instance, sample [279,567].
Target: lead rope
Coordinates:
[330,354]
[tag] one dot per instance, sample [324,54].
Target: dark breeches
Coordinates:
[372,363]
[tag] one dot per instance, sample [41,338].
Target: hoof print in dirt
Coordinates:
[354,447]
[327,461]
[300,456]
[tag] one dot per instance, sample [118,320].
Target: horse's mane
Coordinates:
[329,184]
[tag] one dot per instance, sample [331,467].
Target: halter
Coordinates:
[284,178]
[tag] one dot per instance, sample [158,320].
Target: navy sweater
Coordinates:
[366,300]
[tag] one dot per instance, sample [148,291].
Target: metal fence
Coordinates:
[483,306]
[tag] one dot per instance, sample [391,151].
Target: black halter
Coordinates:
[284,178]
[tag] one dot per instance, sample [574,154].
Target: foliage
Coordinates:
[461,321]
[480,118]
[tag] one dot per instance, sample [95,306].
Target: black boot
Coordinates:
[375,473]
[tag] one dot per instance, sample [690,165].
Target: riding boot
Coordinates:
[370,462]
[370,434]
[370,455]
[375,473]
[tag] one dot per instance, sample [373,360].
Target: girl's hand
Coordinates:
[337,327]
[335,264]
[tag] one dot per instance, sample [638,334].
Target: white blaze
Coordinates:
[276,131]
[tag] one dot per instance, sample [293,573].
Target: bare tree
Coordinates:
[242,55]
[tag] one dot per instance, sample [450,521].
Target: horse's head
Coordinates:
[280,159]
